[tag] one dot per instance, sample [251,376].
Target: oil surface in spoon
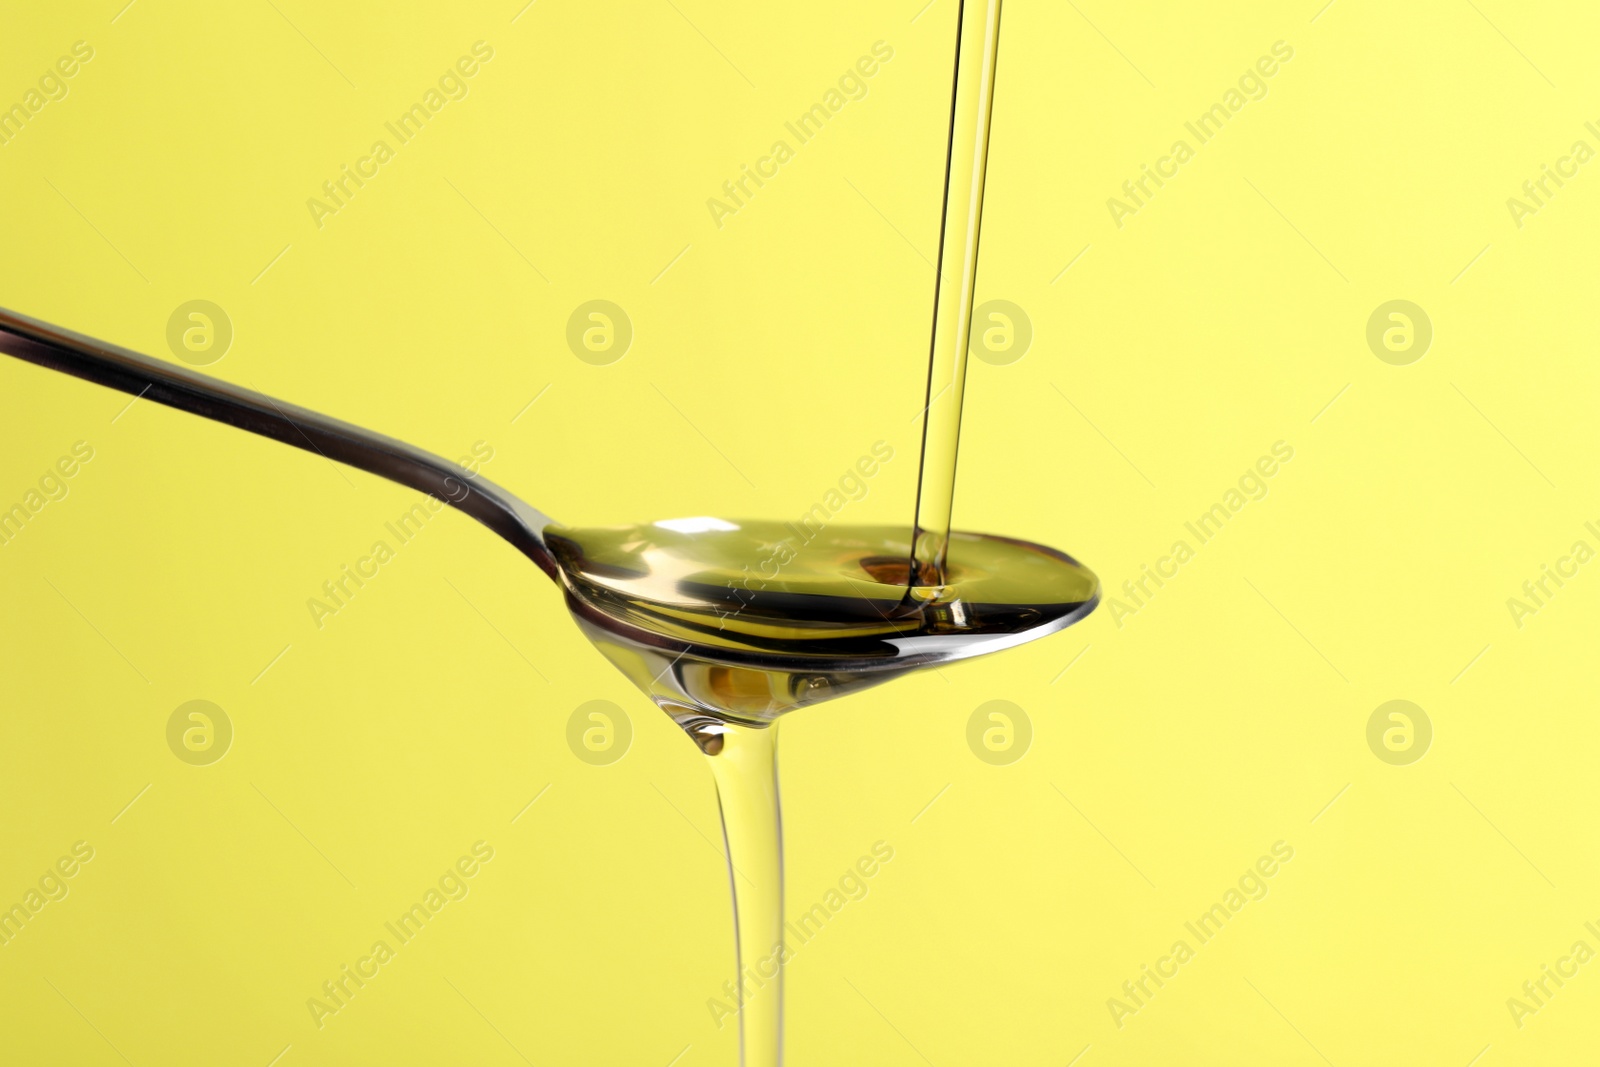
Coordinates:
[742,621]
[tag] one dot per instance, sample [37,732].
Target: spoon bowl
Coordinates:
[748,620]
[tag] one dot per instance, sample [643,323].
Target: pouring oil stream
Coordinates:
[746,770]
[966,162]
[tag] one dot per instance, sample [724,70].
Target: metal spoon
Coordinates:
[666,615]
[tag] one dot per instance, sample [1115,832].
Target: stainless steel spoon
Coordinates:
[666,615]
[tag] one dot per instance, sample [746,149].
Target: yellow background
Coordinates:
[1224,716]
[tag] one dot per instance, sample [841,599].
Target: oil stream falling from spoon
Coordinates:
[744,762]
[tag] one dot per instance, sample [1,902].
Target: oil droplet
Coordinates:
[707,733]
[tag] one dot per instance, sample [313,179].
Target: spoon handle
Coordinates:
[118,368]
